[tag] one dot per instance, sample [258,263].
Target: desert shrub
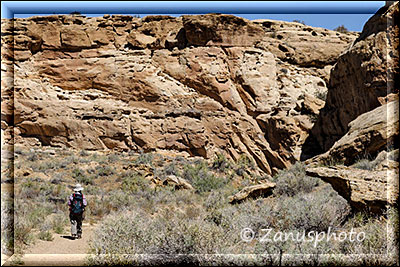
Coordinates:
[45,235]
[167,233]
[22,231]
[83,153]
[58,223]
[86,179]
[220,163]
[169,169]
[376,237]
[105,202]
[201,178]
[44,232]
[341,29]
[70,159]
[38,214]
[78,174]
[57,179]
[113,158]
[32,156]
[46,165]
[29,189]
[145,158]
[97,207]
[7,223]
[134,182]
[35,188]
[364,164]
[243,164]
[357,219]
[64,163]
[207,182]
[104,170]
[332,161]
[92,189]
[215,199]
[294,180]
[316,211]
[299,21]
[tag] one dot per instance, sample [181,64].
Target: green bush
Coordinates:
[29,189]
[169,169]
[45,235]
[104,170]
[78,174]
[220,163]
[201,178]
[341,29]
[299,21]
[58,223]
[83,153]
[145,158]
[134,182]
[113,158]
[243,164]
[22,231]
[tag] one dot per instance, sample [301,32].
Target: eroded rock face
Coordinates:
[195,84]
[368,134]
[364,77]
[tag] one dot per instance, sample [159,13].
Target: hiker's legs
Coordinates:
[74,224]
[79,225]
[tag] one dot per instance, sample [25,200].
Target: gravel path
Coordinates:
[61,251]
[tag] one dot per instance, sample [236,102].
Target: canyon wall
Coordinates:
[198,84]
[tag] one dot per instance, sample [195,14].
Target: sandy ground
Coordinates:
[62,251]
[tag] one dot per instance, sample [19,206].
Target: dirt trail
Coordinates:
[62,251]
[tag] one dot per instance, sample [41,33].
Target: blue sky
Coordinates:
[326,14]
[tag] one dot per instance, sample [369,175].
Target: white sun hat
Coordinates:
[78,187]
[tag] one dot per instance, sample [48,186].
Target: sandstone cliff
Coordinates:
[198,84]
[364,78]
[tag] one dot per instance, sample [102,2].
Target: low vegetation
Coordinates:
[299,21]
[341,29]
[135,214]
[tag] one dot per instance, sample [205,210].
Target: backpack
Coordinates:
[77,204]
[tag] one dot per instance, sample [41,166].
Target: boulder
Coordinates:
[177,182]
[368,134]
[253,191]
[365,190]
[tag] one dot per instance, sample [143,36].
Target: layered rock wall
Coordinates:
[199,84]
[364,78]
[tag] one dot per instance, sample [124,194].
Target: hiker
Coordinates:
[77,204]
